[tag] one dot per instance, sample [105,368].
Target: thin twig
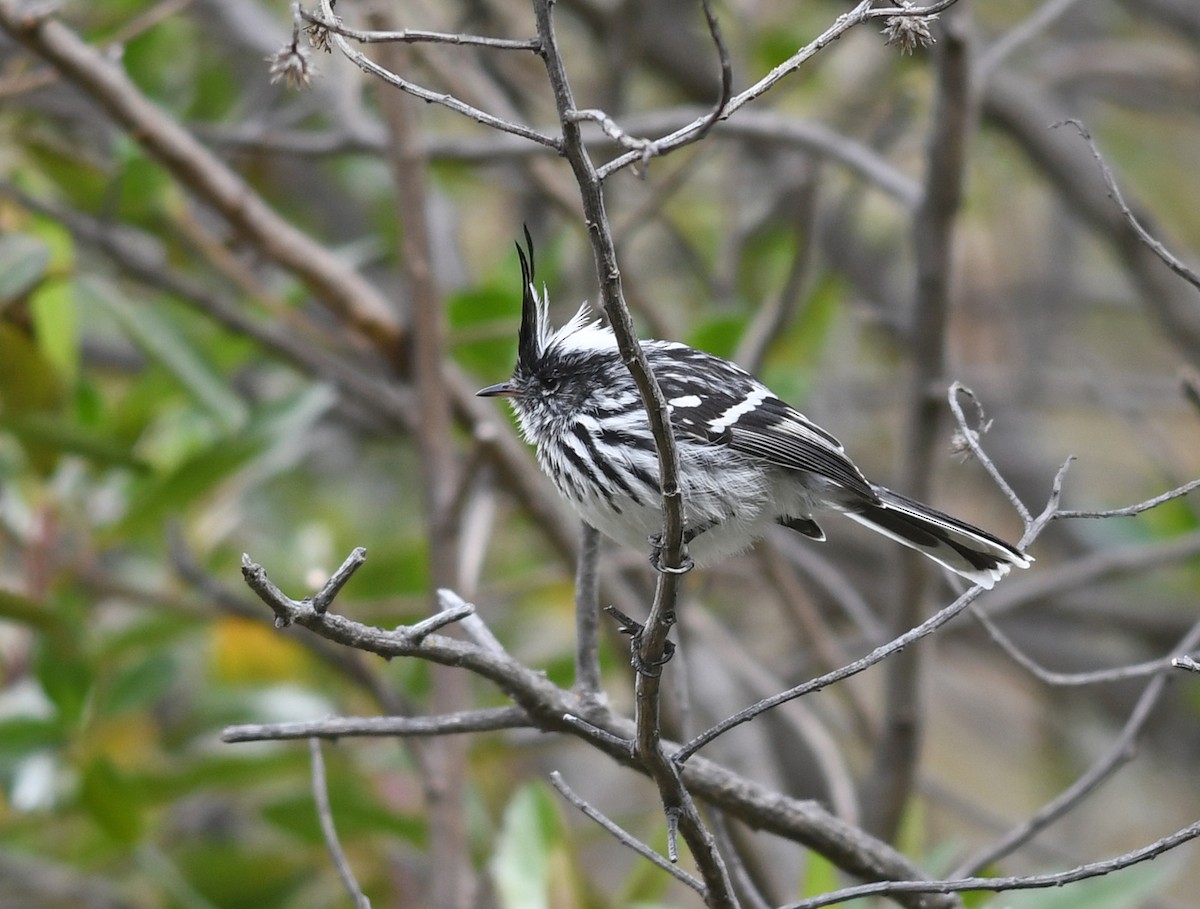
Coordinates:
[926,628]
[1000,884]
[322,598]
[623,836]
[325,815]
[1066,679]
[99,78]
[552,709]
[415,35]
[1131,510]
[367,65]
[652,641]
[970,436]
[1118,753]
[487,719]
[439,620]
[646,149]
[880,653]
[860,14]
[1151,243]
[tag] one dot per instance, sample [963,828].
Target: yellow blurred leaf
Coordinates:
[246,651]
[128,742]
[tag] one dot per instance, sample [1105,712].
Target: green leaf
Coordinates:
[163,341]
[720,335]
[26,611]
[51,432]
[234,874]
[171,493]
[141,684]
[56,325]
[521,862]
[483,324]
[112,800]
[241,769]
[24,262]
[28,380]
[354,815]
[64,675]
[21,735]
[820,875]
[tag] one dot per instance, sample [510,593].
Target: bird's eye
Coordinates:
[550,383]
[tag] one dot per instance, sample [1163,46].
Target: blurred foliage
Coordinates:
[143,443]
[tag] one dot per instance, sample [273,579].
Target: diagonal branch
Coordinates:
[369,66]
[1120,752]
[552,709]
[95,75]
[860,14]
[1152,243]
[1001,884]
[645,149]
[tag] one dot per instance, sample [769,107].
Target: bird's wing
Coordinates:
[715,401]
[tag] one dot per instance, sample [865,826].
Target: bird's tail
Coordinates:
[973,553]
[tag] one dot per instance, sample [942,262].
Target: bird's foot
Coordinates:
[635,630]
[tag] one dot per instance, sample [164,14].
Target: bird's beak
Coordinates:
[503,390]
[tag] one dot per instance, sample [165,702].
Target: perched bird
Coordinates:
[747,460]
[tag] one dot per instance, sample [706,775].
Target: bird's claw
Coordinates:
[656,547]
[635,629]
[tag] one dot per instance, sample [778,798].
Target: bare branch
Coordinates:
[926,628]
[1120,752]
[1131,510]
[367,65]
[415,35]
[1000,884]
[1156,247]
[652,640]
[970,437]
[1066,679]
[552,709]
[645,149]
[90,71]
[328,830]
[861,13]
[483,720]
[623,836]
[322,598]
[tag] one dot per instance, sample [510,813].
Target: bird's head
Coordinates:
[555,369]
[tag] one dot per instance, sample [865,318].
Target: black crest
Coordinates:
[529,342]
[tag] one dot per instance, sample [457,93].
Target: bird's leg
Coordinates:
[689,534]
[635,630]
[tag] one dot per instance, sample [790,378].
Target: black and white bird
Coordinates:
[747,460]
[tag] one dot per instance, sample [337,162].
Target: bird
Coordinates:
[747,459]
